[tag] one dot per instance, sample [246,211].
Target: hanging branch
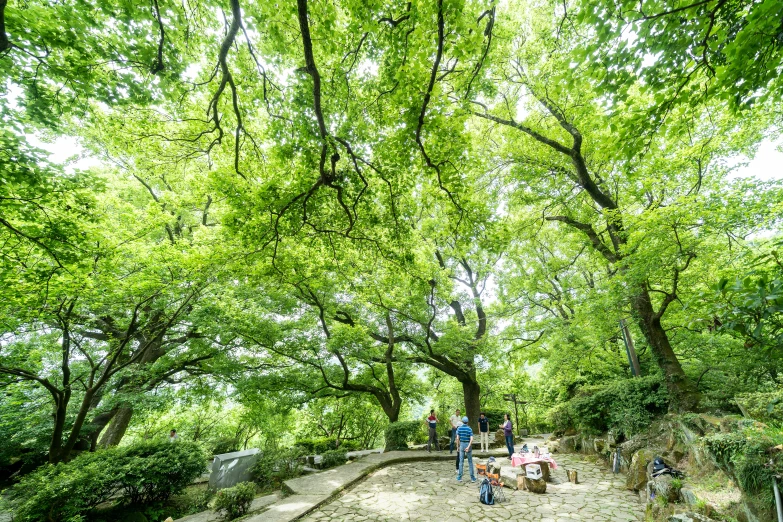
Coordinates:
[157,65]
[490,13]
[427,96]
[5,44]
[226,79]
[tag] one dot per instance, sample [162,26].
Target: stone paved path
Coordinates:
[427,491]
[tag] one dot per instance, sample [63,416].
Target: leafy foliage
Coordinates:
[625,407]
[333,458]
[275,466]
[399,434]
[305,222]
[745,455]
[153,471]
[763,406]
[140,474]
[65,491]
[234,502]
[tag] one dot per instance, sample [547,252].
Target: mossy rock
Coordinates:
[637,471]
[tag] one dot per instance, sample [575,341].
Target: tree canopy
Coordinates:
[300,204]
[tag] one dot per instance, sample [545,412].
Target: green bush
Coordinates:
[495,418]
[194,499]
[350,445]
[272,467]
[742,454]
[141,473]
[317,446]
[762,406]
[234,502]
[559,418]
[153,471]
[65,491]
[225,445]
[330,459]
[625,407]
[398,434]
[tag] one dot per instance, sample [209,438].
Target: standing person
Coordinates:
[509,433]
[484,432]
[456,461]
[432,424]
[465,441]
[173,437]
[454,420]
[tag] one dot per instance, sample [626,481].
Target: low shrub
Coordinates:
[317,446]
[559,418]
[495,418]
[225,445]
[153,471]
[272,467]
[140,473]
[330,459]
[626,407]
[762,406]
[65,491]
[194,499]
[235,502]
[350,445]
[744,455]
[398,434]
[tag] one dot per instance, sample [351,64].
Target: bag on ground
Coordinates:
[485,493]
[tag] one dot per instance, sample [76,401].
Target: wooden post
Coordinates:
[633,360]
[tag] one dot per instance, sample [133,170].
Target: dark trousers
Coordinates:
[433,438]
[453,437]
[510,444]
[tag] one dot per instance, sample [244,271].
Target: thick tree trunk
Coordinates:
[55,446]
[471,392]
[76,429]
[97,426]
[684,394]
[117,427]
[390,408]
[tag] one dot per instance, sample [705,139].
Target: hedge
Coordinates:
[142,473]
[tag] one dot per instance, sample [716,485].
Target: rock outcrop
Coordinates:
[637,472]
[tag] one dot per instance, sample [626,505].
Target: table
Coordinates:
[545,462]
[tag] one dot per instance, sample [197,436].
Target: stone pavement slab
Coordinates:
[334,480]
[310,491]
[290,508]
[423,491]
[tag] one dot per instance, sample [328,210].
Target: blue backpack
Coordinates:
[485,493]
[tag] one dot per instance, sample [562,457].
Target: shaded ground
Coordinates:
[429,491]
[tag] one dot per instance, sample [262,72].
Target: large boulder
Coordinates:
[500,437]
[688,497]
[637,471]
[535,485]
[569,444]
[663,487]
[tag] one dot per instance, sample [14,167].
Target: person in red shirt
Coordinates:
[432,424]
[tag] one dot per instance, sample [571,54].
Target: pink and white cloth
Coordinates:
[519,460]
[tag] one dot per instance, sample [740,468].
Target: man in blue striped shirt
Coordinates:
[465,445]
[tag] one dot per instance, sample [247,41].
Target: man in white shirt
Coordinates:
[455,421]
